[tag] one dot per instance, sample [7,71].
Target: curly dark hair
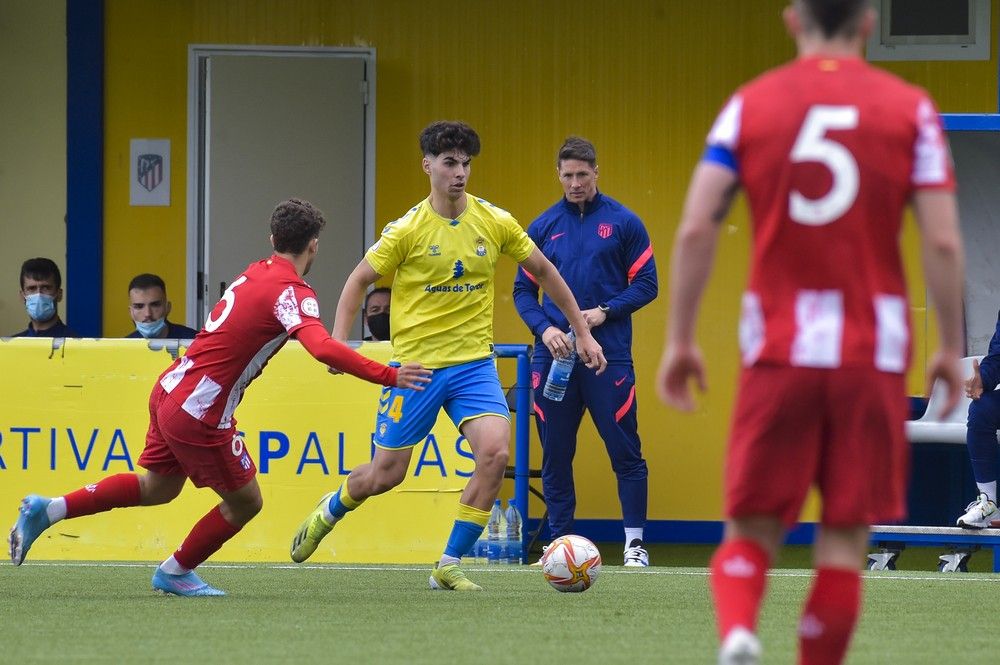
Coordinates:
[41,268]
[445,135]
[577,147]
[293,224]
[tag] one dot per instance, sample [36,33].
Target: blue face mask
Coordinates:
[151,328]
[41,307]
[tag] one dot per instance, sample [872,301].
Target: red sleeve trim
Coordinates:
[639,263]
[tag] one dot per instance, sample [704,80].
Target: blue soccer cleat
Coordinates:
[188,584]
[31,522]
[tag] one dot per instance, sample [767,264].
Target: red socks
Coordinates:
[118,491]
[829,617]
[205,539]
[738,579]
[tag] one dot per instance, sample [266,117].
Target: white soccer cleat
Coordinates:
[979,514]
[636,555]
[741,647]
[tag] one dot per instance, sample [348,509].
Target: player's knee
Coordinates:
[631,469]
[155,490]
[388,478]
[494,455]
[254,506]
[242,509]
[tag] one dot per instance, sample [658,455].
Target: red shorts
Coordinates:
[178,443]
[839,430]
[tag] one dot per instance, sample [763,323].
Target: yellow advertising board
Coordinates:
[73,413]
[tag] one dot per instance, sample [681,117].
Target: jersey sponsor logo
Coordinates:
[468,287]
[310,307]
[434,250]
[557,235]
[604,230]
[459,269]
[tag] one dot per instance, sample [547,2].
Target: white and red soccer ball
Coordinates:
[571,563]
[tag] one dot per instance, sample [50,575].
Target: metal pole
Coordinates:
[521,440]
[522,409]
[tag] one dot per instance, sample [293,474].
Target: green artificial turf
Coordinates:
[106,613]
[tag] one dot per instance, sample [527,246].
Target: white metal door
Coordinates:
[275,125]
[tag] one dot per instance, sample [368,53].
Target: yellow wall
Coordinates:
[32,146]
[643,80]
[80,413]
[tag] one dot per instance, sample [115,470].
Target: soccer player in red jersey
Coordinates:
[192,432]
[829,151]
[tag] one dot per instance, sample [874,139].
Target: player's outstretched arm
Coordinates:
[936,213]
[351,297]
[549,278]
[336,354]
[708,199]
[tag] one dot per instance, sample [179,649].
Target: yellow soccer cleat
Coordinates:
[451,578]
[311,532]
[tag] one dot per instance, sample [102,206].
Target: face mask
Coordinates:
[151,328]
[378,324]
[41,307]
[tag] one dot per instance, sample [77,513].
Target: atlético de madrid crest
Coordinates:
[604,230]
[150,171]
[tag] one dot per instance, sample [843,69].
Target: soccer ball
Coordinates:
[571,563]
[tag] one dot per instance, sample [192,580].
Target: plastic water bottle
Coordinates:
[555,385]
[496,535]
[478,553]
[514,543]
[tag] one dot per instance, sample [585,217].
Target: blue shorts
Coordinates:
[466,391]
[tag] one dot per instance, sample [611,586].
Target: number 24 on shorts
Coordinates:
[393,409]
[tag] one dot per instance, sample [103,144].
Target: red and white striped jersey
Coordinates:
[829,152]
[260,309]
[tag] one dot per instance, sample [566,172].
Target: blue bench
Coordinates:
[891,540]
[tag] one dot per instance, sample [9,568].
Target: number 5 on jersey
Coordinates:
[812,145]
[229,298]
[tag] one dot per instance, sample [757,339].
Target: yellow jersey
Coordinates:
[442,293]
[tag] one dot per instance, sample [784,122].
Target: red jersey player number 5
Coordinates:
[813,145]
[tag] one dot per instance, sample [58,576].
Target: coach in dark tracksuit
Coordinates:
[981,437]
[602,250]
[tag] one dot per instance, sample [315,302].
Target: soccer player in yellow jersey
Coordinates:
[444,252]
